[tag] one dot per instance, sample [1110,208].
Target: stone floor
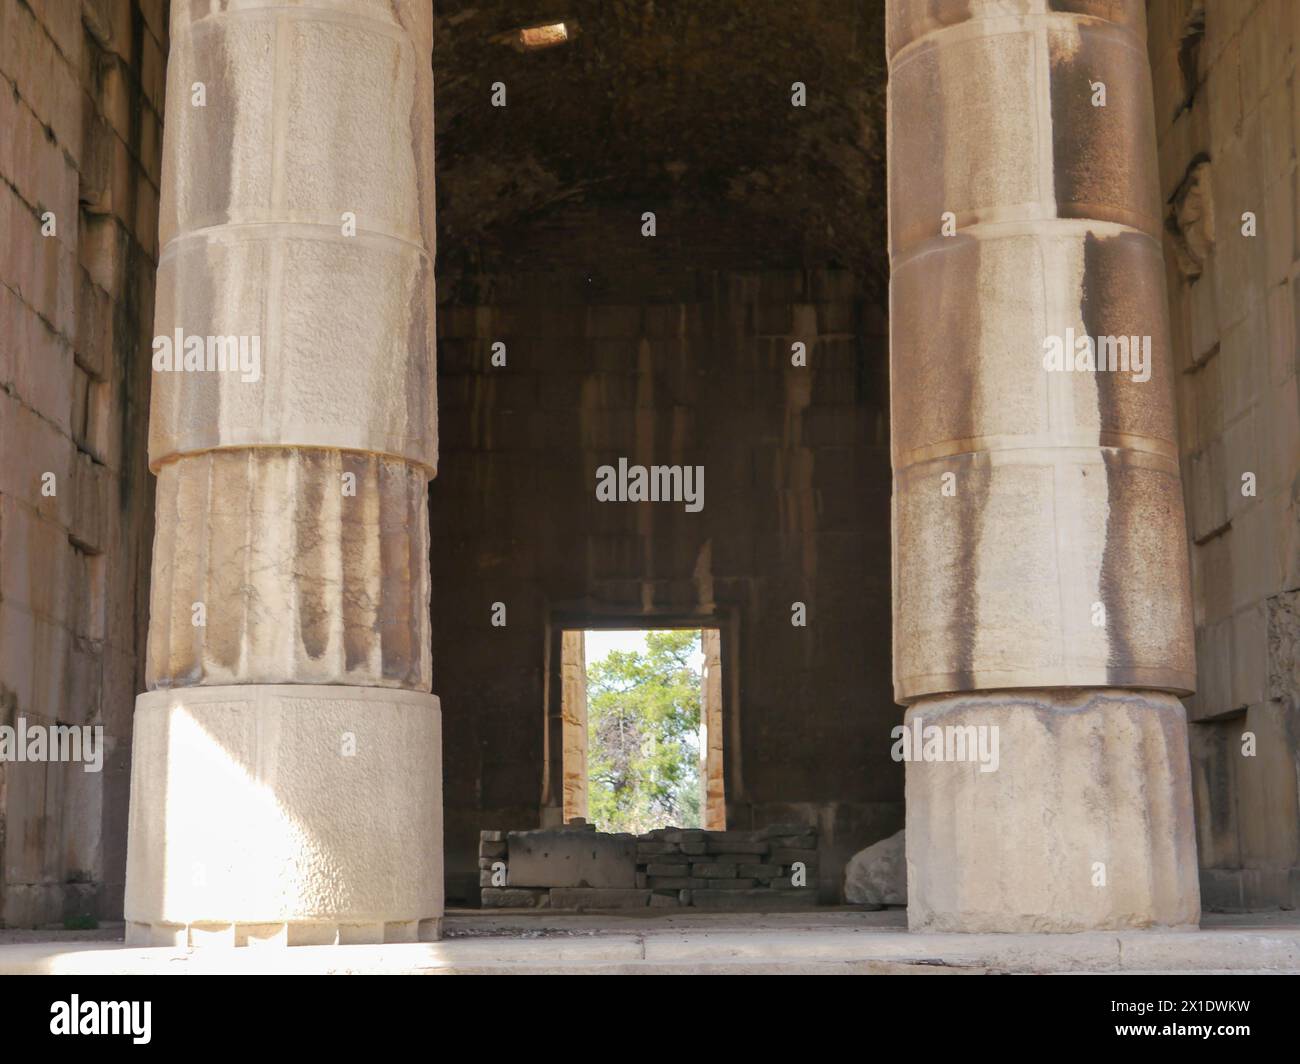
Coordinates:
[830,941]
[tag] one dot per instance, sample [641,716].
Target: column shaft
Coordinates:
[286,780]
[1040,561]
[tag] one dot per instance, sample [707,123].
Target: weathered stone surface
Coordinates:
[877,876]
[598,898]
[664,882]
[270,793]
[515,898]
[787,856]
[787,830]
[1035,452]
[1089,784]
[280,804]
[257,249]
[558,858]
[807,843]
[741,844]
[762,901]
[713,870]
[309,567]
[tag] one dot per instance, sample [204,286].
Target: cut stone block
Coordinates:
[667,869]
[742,844]
[250,805]
[713,871]
[514,898]
[599,898]
[311,567]
[1086,824]
[763,901]
[559,858]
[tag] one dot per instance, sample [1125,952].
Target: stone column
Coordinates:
[1040,560]
[286,777]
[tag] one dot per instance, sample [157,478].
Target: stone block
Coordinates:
[667,882]
[515,898]
[1267,807]
[586,898]
[713,871]
[790,830]
[559,858]
[1087,783]
[741,845]
[246,807]
[308,388]
[301,580]
[786,856]
[762,901]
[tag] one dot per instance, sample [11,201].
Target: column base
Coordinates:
[296,933]
[1085,824]
[285,815]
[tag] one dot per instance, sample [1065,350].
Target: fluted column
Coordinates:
[286,774]
[1040,562]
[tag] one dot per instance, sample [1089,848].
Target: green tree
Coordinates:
[643,736]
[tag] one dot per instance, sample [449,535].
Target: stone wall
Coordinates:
[81,97]
[674,366]
[770,870]
[1228,122]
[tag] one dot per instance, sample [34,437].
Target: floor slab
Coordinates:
[833,941]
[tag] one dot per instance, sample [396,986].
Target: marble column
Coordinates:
[1041,587]
[286,774]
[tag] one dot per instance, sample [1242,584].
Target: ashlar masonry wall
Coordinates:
[773,869]
[81,100]
[1228,123]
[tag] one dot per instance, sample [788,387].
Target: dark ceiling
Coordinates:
[682,107]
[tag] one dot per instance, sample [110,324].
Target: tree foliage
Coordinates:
[643,736]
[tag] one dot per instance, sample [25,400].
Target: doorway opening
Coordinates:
[642,728]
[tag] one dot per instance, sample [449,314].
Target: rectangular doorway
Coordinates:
[642,728]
